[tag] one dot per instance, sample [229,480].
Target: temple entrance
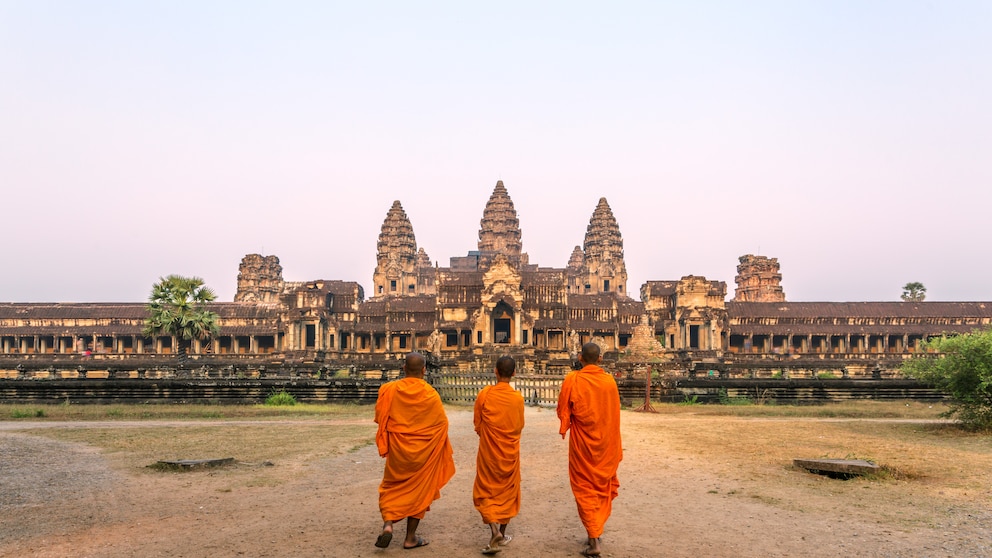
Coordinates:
[502,324]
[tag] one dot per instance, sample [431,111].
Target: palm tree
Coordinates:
[177,307]
[914,292]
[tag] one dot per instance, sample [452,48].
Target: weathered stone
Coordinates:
[401,269]
[840,467]
[259,279]
[758,280]
[195,463]
[603,266]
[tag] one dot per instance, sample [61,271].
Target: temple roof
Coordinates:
[858,309]
[542,276]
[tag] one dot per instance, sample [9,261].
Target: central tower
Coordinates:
[499,232]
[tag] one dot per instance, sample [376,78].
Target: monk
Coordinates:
[589,406]
[499,419]
[413,437]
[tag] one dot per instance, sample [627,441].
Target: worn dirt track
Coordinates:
[59,499]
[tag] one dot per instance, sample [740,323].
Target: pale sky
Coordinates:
[850,140]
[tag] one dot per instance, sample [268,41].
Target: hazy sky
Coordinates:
[850,140]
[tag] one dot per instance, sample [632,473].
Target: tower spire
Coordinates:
[499,231]
[604,269]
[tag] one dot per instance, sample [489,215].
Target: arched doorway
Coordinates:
[502,324]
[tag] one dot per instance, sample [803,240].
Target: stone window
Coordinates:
[243,343]
[392,285]
[266,343]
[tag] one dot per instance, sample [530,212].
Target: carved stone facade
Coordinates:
[758,280]
[603,268]
[401,269]
[499,234]
[259,279]
[494,301]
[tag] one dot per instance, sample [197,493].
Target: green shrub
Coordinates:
[280,399]
[725,399]
[25,413]
[961,366]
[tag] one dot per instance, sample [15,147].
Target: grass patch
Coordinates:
[910,410]
[27,413]
[179,411]
[280,399]
[694,400]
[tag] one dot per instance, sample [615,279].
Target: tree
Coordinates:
[177,307]
[961,366]
[914,292]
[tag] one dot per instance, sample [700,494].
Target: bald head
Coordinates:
[505,367]
[415,365]
[590,354]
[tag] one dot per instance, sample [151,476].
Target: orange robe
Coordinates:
[413,437]
[589,406]
[499,419]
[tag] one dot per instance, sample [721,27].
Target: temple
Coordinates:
[493,300]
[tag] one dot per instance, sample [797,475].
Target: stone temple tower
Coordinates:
[399,265]
[259,279]
[603,270]
[574,271]
[499,231]
[758,280]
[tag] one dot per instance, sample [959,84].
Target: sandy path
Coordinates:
[669,505]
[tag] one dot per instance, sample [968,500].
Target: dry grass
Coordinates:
[907,439]
[755,445]
[174,411]
[298,433]
[711,458]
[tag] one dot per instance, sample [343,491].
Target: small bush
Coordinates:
[18,413]
[280,399]
[961,366]
[725,399]
[694,400]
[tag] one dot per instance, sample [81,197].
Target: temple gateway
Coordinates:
[495,301]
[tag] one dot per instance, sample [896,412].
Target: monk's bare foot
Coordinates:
[592,548]
[495,540]
[386,536]
[497,535]
[415,543]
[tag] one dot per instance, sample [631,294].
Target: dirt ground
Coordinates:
[59,499]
